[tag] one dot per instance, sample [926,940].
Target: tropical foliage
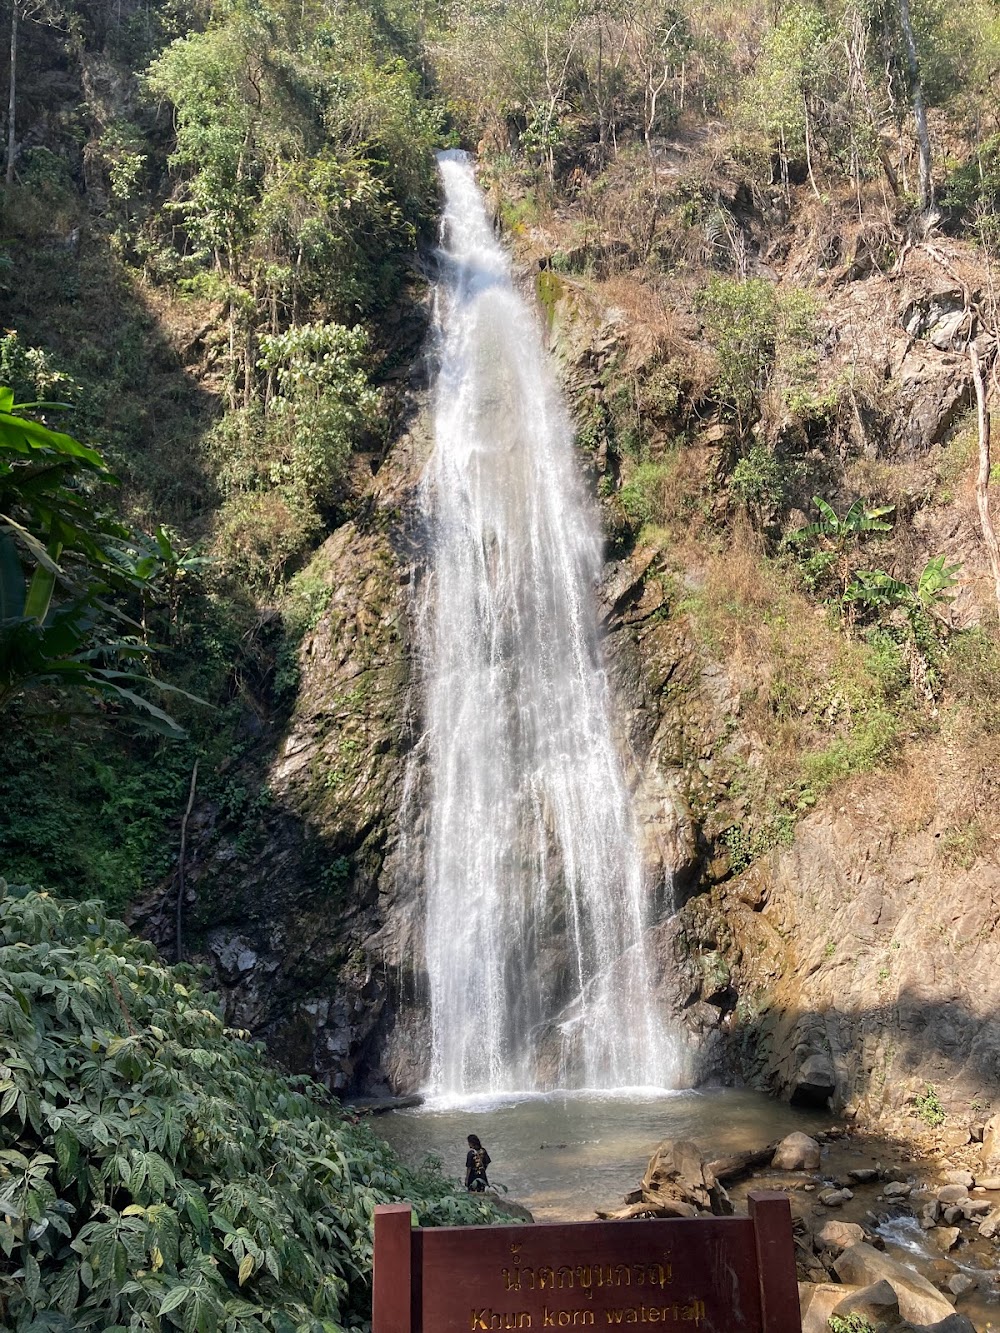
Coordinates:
[64,564]
[156,1172]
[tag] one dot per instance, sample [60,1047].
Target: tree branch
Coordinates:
[983,476]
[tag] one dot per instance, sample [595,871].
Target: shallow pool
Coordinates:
[565,1154]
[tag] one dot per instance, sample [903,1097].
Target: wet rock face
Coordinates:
[874,994]
[815,1081]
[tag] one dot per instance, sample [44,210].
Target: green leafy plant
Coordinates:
[839,536]
[936,580]
[850,1323]
[64,578]
[155,1171]
[759,480]
[877,590]
[929,1108]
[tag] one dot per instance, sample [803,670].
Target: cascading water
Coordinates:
[533,881]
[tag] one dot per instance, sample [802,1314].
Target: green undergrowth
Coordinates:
[92,806]
[156,1173]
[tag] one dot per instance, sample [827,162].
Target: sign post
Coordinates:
[703,1275]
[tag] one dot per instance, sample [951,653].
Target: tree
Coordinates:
[983,473]
[793,77]
[925,193]
[38,11]
[657,39]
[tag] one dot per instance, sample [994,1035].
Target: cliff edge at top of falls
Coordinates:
[818,774]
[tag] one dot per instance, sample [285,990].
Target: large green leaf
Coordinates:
[40,591]
[150,717]
[23,435]
[36,547]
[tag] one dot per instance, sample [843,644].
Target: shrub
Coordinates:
[763,335]
[261,532]
[973,670]
[929,1107]
[646,496]
[759,480]
[155,1172]
[850,1323]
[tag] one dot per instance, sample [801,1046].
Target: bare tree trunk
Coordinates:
[11,104]
[983,476]
[809,159]
[180,863]
[602,115]
[925,186]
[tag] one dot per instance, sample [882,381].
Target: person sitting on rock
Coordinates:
[476,1162]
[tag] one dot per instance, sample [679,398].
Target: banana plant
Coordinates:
[62,584]
[878,591]
[935,582]
[842,535]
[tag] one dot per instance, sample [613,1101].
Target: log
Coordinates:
[740,1164]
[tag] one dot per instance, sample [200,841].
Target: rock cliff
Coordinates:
[829,937]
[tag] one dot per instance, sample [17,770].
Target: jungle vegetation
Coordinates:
[213,227]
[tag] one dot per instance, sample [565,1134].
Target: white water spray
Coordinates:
[535,911]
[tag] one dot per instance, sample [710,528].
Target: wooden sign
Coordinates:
[703,1275]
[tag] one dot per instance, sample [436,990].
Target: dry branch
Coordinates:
[983,476]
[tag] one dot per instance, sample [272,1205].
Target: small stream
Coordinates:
[906,1241]
[565,1154]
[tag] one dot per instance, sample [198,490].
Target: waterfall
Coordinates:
[535,906]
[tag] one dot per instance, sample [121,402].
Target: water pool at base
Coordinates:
[565,1154]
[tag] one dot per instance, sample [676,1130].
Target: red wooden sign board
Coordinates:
[705,1275]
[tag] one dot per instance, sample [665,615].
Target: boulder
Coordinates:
[975,1208]
[989,1182]
[897,1189]
[960,1283]
[946,1238]
[834,1198]
[797,1152]
[991,1141]
[837,1235]
[952,1194]
[954,1323]
[864,1175]
[990,1224]
[512,1209]
[965,1178]
[817,1301]
[815,1082]
[877,1303]
[919,1301]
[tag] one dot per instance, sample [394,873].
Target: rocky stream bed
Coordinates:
[900,1235]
